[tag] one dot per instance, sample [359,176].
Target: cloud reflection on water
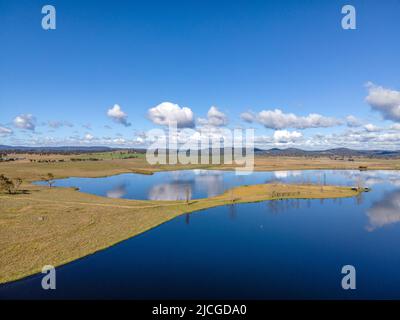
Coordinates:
[171,191]
[117,192]
[385,211]
[371,178]
[211,182]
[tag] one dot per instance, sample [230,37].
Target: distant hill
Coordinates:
[338,152]
[289,152]
[61,149]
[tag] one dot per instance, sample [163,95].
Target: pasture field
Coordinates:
[107,164]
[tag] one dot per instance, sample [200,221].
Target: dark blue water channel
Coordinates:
[282,249]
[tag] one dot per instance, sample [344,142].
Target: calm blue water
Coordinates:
[206,183]
[269,250]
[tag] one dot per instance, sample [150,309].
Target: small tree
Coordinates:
[231,196]
[6,184]
[17,184]
[187,194]
[49,179]
[360,182]
[3,182]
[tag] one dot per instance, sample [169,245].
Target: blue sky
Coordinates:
[252,57]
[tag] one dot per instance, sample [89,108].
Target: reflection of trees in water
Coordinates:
[232,211]
[284,205]
[273,206]
[337,201]
[281,206]
[385,211]
[187,218]
[359,199]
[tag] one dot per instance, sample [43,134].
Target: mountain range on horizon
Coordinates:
[342,152]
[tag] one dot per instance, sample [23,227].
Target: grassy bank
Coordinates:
[58,225]
[30,171]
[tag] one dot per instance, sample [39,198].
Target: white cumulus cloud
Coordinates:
[353,122]
[286,136]
[276,119]
[116,114]
[58,124]
[385,101]
[25,121]
[4,131]
[371,127]
[396,126]
[88,136]
[247,117]
[215,118]
[168,113]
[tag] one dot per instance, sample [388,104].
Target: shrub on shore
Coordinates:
[10,185]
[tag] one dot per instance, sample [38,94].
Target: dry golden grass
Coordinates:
[34,171]
[302,163]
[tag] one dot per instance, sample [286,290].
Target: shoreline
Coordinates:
[69,250]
